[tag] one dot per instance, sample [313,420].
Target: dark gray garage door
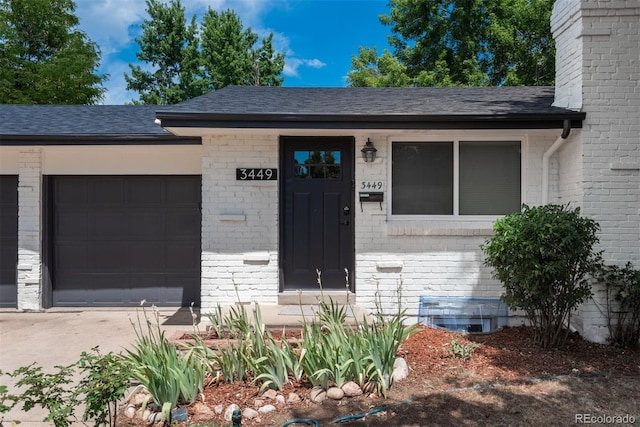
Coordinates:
[8,239]
[117,240]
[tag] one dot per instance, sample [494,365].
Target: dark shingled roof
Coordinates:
[82,124]
[286,107]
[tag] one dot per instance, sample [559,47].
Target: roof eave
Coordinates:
[406,121]
[93,139]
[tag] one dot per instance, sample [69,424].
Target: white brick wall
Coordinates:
[604,44]
[29,229]
[239,221]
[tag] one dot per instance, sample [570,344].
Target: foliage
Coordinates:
[103,380]
[462,351]
[542,255]
[230,56]
[329,352]
[170,377]
[170,44]
[462,43]
[44,58]
[189,61]
[622,286]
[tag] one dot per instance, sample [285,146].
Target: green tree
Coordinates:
[230,56]
[170,45]
[467,43]
[543,256]
[44,58]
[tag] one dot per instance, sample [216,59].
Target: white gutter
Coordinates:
[566,130]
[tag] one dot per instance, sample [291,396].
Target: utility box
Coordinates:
[462,314]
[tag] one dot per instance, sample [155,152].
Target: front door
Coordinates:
[317,230]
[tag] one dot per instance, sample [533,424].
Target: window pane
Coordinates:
[489,177]
[317,164]
[422,178]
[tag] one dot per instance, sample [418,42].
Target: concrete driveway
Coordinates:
[59,336]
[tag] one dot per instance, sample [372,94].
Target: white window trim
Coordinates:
[456,138]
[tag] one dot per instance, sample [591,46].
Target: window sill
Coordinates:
[439,228]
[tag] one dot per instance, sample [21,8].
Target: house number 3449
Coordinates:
[371,185]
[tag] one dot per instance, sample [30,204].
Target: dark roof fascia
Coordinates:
[66,140]
[355,121]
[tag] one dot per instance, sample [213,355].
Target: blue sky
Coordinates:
[319,37]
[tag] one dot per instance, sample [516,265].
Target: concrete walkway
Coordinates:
[58,337]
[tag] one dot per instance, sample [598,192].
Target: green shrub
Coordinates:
[463,351]
[622,286]
[543,255]
[103,380]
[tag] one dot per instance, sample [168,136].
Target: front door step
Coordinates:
[313,297]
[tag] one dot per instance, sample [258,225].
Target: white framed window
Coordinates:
[462,178]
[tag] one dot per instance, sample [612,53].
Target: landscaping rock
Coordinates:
[400,369]
[280,399]
[203,412]
[318,395]
[249,413]
[266,409]
[351,389]
[335,393]
[229,411]
[293,398]
[270,394]
[218,409]
[258,403]
[130,411]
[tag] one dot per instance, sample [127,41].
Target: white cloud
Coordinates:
[292,65]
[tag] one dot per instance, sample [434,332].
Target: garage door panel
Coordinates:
[147,257]
[72,224]
[106,192]
[145,224]
[8,240]
[182,257]
[142,191]
[71,191]
[142,241]
[107,226]
[181,191]
[183,225]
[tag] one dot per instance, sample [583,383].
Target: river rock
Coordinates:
[266,409]
[335,393]
[318,395]
[250,413]
[130,411]
[293,398]
[400,369]
[270,394]
[228,413]
[351,389]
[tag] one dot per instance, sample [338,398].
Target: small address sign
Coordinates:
[256,174]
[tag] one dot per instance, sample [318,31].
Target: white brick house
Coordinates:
[254,188]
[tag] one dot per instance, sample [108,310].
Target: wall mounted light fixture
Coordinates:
[369,151]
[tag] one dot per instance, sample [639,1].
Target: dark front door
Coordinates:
[318,224]
[8,239]
[120,239]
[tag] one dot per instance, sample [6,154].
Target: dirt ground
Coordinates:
[507,381]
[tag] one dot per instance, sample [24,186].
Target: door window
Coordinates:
[317,164]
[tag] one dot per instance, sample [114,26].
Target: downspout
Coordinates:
[566,130]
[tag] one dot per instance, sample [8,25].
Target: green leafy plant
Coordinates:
[622,286]
[104,382]
[543,257]
[48,391]
[463,351]
[169,376]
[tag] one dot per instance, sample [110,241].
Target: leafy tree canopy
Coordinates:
[462,43]
[187,63]
[44,58]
